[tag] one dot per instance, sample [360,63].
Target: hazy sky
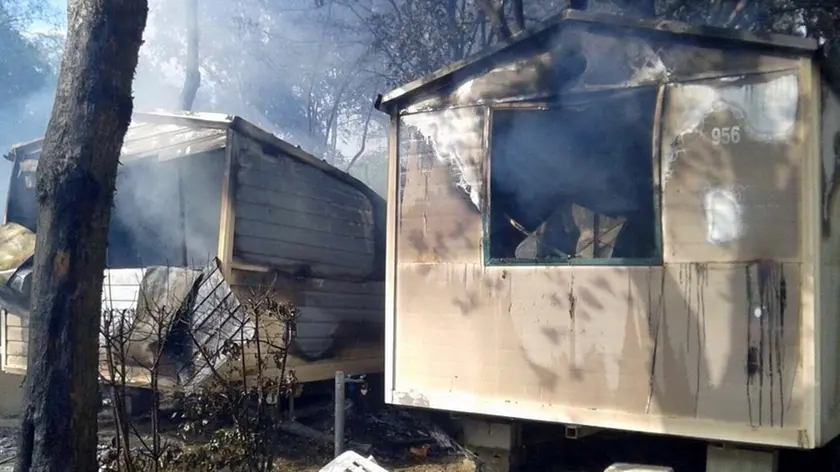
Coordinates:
[59,18]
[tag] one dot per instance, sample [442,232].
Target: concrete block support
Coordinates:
[731,459]
[496,443]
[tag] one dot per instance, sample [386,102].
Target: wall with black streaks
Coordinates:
[767,298]
[713,341]
[829,335]
[707,344]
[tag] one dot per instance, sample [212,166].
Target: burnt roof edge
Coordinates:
[190,119]
[239,124]
[389,100]
[253,131]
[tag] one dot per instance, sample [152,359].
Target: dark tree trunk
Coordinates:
[192,76]
[76,174]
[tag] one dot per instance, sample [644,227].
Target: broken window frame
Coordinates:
[656,169]
[20,199]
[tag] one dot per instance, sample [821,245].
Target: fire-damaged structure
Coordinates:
[209,212]
[625,224]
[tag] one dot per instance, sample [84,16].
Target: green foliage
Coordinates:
[28,69]
[28,65]
[818,17]
[22,69]
[25,65]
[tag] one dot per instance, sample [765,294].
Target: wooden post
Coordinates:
[340,383]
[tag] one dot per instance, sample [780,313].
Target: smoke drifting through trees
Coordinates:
[308,70]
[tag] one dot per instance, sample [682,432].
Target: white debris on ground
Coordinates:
[351,461]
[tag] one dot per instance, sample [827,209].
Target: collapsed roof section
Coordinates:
[160,134]
[268,212]
[170,135]
[185,316]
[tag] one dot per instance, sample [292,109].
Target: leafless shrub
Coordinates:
[248,377]
[116,328]
[228,372]
[132,349]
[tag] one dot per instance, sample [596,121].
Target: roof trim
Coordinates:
[790,43]
[253,131]
[197,119]
[238,124]
[202,119]
[193,119]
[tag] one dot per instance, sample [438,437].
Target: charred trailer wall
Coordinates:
[167,208]
[613,225]
[829,280]
[340,325]
[196,187]
[322,233]
[293,215]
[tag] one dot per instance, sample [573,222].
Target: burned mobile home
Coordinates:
[209,211]
[623,224]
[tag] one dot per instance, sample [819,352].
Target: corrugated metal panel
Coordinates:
[166,136]
[169,140]
[351,461]
[121,288]
[120,291]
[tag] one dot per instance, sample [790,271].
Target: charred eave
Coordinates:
[216,121]
[533,38]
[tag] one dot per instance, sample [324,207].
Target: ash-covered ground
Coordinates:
[406,440]
[8,438]
[397,442]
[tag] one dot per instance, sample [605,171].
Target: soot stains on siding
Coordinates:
[765,347]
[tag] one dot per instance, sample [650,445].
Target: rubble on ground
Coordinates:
[392,434]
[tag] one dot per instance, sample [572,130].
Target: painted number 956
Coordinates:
[726,135]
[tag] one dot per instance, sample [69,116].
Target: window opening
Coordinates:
[574,182]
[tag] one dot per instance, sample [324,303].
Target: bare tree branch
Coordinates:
[192,73]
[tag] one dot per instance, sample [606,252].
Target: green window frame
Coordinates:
[653,261]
